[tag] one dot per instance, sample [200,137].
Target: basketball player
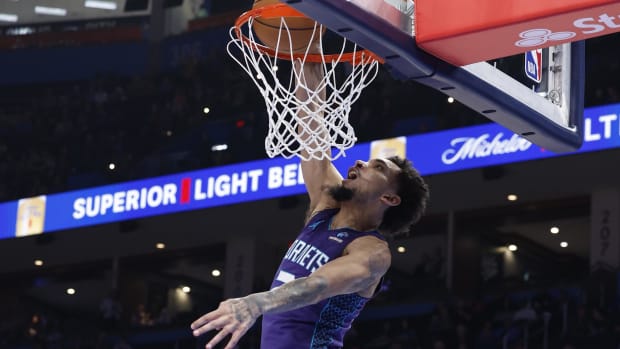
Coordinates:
[337,262]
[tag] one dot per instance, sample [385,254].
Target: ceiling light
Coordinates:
[564,244]
[52,11]
[160,245]
[512,247]
[512,197]
[186,289]
[206,110]
[19,31]
[450,99]
[71,291]
[38,262]
[111,166]
[216,273]
[401,249]
[219,147]
[6,17]
[554,230]
[103,5]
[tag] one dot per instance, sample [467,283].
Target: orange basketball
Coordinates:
[300,29]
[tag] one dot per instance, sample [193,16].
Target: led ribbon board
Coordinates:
[432,153]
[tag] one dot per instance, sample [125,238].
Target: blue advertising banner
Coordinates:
[432,153]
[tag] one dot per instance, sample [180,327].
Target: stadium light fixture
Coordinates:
[219,147]
[51,11]
[7,17]
[102,5]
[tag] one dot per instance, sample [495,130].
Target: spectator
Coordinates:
[110,312]
[36,331]
[141,318]
[122,344]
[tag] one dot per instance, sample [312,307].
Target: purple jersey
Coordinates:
[324,324]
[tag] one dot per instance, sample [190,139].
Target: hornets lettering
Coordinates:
[306,255]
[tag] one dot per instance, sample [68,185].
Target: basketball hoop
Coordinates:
[283,107]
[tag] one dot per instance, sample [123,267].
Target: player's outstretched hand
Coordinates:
[233,316]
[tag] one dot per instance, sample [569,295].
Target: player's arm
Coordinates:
[367,260]
[363,266]
[318,174]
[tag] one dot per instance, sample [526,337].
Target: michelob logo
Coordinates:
[464,148]
[30,216]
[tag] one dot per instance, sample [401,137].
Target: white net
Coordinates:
[315,127]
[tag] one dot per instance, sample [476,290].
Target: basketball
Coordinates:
[300,28]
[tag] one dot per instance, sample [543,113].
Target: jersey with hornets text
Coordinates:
[322,325]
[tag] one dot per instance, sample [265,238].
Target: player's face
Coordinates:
[374,178]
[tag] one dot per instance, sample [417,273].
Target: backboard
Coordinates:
[548,114]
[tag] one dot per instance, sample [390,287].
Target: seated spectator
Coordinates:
[141,318]
[36,331]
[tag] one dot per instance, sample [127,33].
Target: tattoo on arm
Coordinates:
[309,290]
[378,263]
[292,295]
[377,266]
[243,310]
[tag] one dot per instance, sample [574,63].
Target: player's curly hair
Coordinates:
[413,193]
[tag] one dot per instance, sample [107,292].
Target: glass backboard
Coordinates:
[548,114]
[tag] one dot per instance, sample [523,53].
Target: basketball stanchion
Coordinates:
[268,35]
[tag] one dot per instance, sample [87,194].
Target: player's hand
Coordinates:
[233,316]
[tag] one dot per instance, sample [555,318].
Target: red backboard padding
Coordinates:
[469,31]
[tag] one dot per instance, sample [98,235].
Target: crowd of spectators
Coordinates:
[67,136]
[64,135]
[555,318]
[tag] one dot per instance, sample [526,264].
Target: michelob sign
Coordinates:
[432,153]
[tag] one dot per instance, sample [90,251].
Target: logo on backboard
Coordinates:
[533,65]
[538,37]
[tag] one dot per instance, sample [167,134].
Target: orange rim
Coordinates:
[283,10]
